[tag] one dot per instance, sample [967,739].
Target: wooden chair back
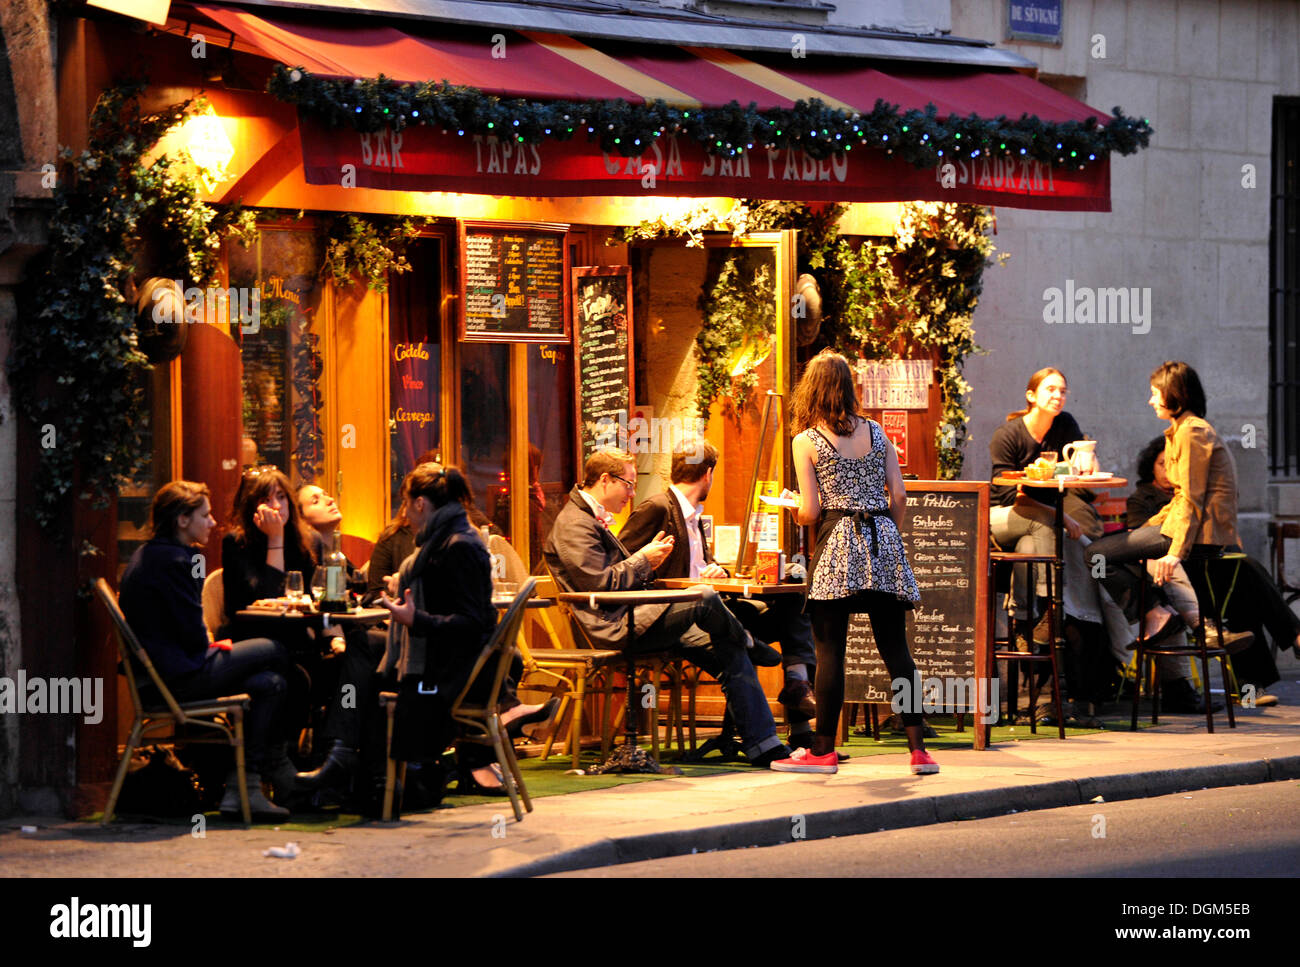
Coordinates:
[214,601]
[500,643]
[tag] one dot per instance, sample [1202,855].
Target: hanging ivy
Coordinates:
[75,364]
[368,247]
[739,324]
[922,138]
[880,301]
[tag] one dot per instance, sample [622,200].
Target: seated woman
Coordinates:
[442,616]
[162,600]
[356,698]
[1024,519]
[1201,514]
[1255,604]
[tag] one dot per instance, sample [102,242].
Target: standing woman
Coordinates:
[161,599]
[1203,510]
[851,486]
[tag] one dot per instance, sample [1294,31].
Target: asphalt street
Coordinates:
[1239,831]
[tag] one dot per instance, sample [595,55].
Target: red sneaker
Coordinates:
[922,764]
[804,761]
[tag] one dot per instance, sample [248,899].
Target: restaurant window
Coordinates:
[551,468]
[414,361]
[282,404]
[485,401]
[1284,291]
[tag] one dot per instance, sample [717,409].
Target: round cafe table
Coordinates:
[628,758]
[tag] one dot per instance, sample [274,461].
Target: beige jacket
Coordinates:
[1204,508]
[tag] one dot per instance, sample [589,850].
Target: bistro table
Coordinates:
[628,758]
[313,618]
[1061,484]
[742,587]
[503,601]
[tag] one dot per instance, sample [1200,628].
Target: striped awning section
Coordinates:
[550,66]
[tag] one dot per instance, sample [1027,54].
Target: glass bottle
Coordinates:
[335,596]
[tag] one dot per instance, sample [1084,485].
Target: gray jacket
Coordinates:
[583,555]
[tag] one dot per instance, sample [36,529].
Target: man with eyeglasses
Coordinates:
[584,555]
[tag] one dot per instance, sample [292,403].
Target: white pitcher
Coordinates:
[1081,456]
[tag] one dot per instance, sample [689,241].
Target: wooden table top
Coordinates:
[743,586]
[1055,483]
[595,599]
[359,616]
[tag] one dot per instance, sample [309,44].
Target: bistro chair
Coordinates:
[216,720]
[214,601]
[1001,566]
[1279,532]
[1205,570]
[481,724]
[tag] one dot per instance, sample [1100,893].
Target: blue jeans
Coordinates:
[256,666]
[706,633]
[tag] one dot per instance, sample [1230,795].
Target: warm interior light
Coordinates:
[204,139]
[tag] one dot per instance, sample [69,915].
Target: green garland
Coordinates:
[75,366]
[922,138]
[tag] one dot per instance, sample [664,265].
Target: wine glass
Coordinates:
[318,581]
[293,585]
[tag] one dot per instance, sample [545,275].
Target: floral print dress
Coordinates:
[862,551]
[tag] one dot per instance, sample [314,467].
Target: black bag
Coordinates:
[157,784]
[422,725]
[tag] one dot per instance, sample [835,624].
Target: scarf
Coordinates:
[406,651]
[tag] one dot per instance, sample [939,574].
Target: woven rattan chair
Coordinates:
[216,720]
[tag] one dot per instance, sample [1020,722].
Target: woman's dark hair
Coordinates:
[172,502]
[1180,387]
[1147,460]
[438,485]
[257,486]
[1034,380]
[826,394]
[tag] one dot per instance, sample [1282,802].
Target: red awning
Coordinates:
[547,66]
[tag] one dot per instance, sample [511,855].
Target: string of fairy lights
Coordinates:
[922,138]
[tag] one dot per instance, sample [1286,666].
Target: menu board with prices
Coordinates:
[512,282]
[602,336]
[946,537]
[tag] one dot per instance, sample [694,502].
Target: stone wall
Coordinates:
[1186,224]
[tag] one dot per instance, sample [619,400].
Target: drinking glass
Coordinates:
[1051,456]
[293,585]
[318,582]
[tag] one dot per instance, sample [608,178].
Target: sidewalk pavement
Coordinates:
[668,817]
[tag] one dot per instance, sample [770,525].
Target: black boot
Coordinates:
[334,771]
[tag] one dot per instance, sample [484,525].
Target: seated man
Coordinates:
[583,555]
[676,512]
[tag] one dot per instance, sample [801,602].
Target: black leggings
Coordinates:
[830,625]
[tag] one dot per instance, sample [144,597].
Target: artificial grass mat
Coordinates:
[551,778]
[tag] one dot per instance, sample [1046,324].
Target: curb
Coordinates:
[907,813]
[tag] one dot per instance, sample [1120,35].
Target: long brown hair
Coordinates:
[257,487]
[826,394]
[1034,380]
[173,501]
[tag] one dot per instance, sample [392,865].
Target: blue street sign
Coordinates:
[1035,20]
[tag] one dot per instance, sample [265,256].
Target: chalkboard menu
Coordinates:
[512,282]
[946,535]
[602,336]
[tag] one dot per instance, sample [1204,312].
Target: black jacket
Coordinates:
[163,603]
[583,555]
[663,512]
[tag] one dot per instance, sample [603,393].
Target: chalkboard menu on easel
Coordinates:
[602,337]
[946,535]
[512,282]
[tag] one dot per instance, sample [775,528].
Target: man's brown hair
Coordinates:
[692,459]
[610,460]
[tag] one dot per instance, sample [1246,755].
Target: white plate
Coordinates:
[1099,475]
